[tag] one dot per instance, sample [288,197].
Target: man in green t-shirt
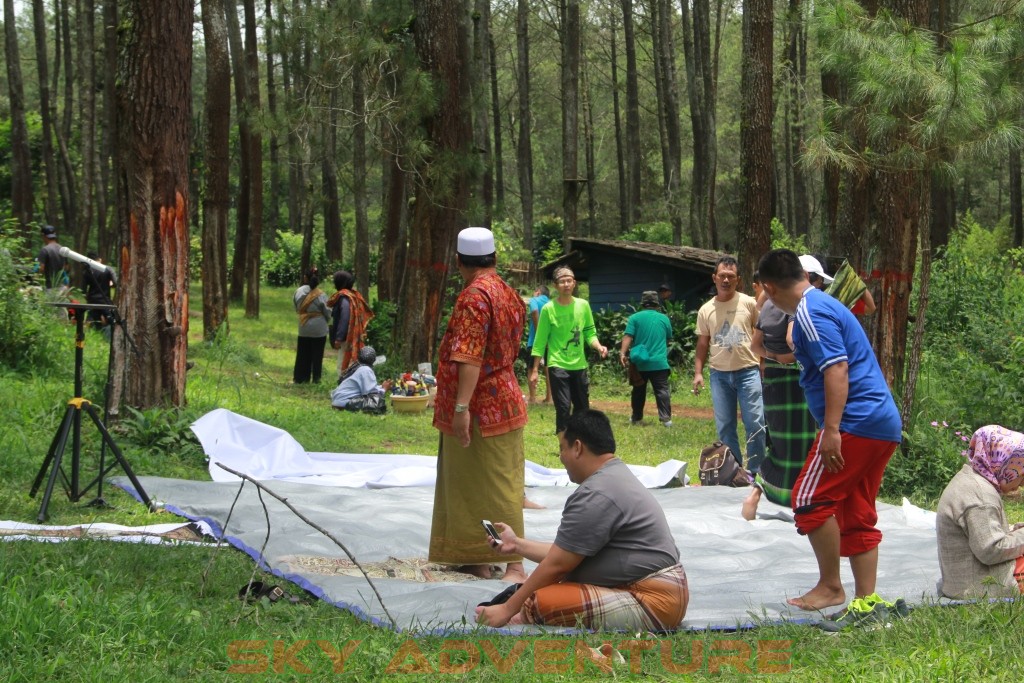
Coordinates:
[645,345]
[564,327]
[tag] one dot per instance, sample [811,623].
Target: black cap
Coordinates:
[664,287]
[50,231]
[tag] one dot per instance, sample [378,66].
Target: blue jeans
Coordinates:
[741,387]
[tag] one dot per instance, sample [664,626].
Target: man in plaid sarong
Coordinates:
[613,564]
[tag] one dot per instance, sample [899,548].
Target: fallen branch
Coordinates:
[325,532]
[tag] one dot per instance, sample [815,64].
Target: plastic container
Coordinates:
[409,404]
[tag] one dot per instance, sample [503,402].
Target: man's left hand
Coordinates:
[460,425]
[603,350]
[494,616]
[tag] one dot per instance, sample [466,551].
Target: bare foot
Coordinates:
[530,505]
[749,509]
[818,598]
[481,571]
[517,619]
[514,573]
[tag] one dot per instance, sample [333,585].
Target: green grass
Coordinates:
[98,611]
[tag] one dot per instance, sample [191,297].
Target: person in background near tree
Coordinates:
[834,495]
[980,554]
[480,412]
[817,276]
[614,564]
[51,263]
[98,287]
[725,326]
[350,314]
[564,329]
[540,298]
[311,305]
[358,382]
[791,428]
[645,345]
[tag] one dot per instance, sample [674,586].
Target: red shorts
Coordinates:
[848,495]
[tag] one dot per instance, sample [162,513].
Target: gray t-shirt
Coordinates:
[618,526]
[773,323]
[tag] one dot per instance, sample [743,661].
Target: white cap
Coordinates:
[813,265]
[476,242]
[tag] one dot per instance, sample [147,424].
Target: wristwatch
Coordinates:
[461,407]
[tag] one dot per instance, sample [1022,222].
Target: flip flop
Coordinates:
[255,591]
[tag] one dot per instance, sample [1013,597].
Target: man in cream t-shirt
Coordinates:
[725,325]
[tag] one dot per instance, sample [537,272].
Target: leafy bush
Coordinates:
[782,239]
[932,452]
[547,239]
[282,266]
[161,431]
[659,233]
[611,326]
[30,332]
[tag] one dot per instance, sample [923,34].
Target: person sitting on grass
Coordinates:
[359,384]
[614,563]
[979,552]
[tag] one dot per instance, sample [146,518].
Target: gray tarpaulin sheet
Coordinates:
[739,572]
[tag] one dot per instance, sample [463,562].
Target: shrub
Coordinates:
[932,452]
[30,332]
[282,266]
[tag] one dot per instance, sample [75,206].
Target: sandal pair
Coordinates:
[257,590]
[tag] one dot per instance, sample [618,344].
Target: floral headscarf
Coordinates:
[997,454]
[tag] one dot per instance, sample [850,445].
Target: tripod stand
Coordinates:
[72,425]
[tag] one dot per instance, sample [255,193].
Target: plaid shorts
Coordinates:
[656,602]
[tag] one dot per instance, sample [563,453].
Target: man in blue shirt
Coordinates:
[540,297]
[834,496]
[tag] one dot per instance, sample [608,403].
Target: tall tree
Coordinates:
[443,179]
[700,48]
[273,144]
[45,110]
[570,35]
[620,146]
[21,161]
[254,248]
[481,105]
[794,79]
[155,117]
[665,51]
[499,155]
[524,144]
[756,160]
[237,277]
[216,198]
[87,120]
[634,158]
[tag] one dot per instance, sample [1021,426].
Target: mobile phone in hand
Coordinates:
[491,531]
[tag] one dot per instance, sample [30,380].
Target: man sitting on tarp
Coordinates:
[614,564]
[358,389]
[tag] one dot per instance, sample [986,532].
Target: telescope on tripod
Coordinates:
[71,426]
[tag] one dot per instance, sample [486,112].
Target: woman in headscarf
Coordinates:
[350,314]
[979,552]
[311,305]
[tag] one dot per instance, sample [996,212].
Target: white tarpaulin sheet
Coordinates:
[739,572]
[268,453]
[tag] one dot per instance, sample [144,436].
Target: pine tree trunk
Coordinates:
[570,34]
[442,47]
[481,121]
[634,159]
[333,240]
[588,146]
[216,198]
[65,169]
[21,161]
[499,155]
[359,169]
[45,111]
[620,152]
[756,159]
[254,248]
[155,113]
[524,145]
[1016,206]
[87,122]
[108,228]
[273,145]
[665,54]
[236,281]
